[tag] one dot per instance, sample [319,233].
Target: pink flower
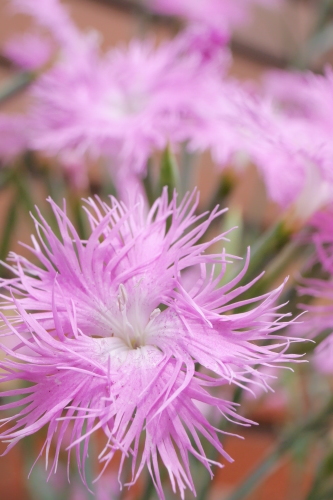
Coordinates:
[302,94]
[52,15]
[120,112]
[302,104]
[110,331]
[320,312]
[28,51]
[291,162]
[291,154]
[13,136]
[221,14]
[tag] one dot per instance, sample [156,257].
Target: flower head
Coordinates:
[291,152]
[301,104]
[110,332]
[121,112]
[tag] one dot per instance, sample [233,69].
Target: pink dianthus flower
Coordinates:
[301,105]
[120,112]
[110,335]
[291,154]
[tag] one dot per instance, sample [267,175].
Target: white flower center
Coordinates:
[119,104]
[133,332]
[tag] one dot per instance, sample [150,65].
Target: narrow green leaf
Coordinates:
[16,84]
[169,174]
[9,227]
[148,184]
[323,479]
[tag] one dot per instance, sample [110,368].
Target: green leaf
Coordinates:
[16,84]
[322,484]
[9,227]
[148,184]
[169,174]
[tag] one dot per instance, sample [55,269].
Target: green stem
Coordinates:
[291,253]
[54,184]
[188,163]
[169,173]
[79,217]
[16,84]
[148,184]
[9,227]
[323,479]
[267,246]
[313,424]
[266,251]
[24,190]
[319,40]
[6,176]
[325,10]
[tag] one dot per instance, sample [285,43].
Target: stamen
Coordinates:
[122,297]
[154,314]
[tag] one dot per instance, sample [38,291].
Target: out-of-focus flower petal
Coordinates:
[29,51]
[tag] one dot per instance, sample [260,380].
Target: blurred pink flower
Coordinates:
[291,154]
[302,94]
[220,14]
[29,51]
[319,315]
[52,15]
[13,136]
[302,105]
[122,114]
[121,111]
[118,112]
[109,334]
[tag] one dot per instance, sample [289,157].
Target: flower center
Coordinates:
[132,329]
[120,104]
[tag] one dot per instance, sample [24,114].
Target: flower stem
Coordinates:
[24,188]
[291,253]
[267,246]
[9,227]
[79,217]
[16,84]
[148,184]
[169,173]
[313,424]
